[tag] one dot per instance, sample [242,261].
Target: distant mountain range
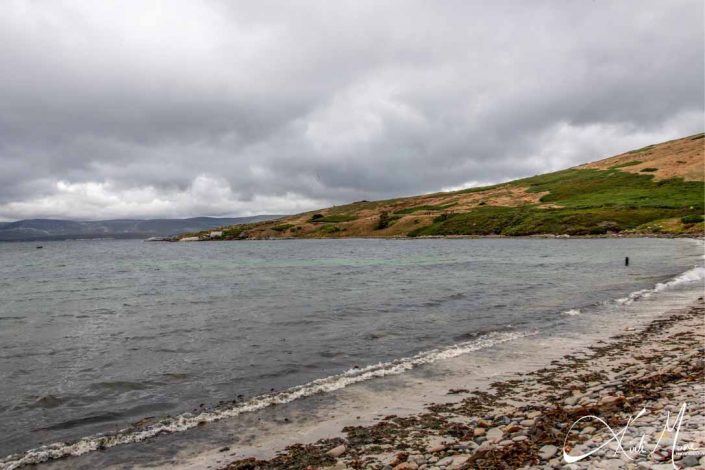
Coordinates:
[52,229]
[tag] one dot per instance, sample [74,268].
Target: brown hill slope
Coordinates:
[656,189]
[676,158]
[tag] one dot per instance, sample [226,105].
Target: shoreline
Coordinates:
[523,422]
[543,236]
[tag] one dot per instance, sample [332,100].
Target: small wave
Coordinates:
[176,375]
[379,334]
[690,276]
[478,333]
[434,302]
[187,421]
[175,350]
[572,312]
[102,311]
[47,401]
[72,423]
[120,385]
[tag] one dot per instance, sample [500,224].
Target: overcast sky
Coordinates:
[183,108]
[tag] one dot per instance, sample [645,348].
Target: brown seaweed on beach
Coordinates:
[507,458]
[552,416]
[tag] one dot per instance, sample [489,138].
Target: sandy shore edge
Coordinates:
[530,421]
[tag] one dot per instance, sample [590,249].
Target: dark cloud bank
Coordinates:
[183,108]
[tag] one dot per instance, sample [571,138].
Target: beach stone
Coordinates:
[519,438]
[445,461]
[505,442]
[512,428]
[572,400]
[547,451]
[533,414]
[689,461]
[458,462]
[527,422]
[487,445]
[685,436]
[609,400]
[479,432]
[588,401]
[494,435]
[609,464]
[338,466]
[406,466]
[337,451]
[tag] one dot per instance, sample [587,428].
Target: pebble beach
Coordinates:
[633,401]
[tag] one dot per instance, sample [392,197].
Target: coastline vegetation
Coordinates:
[320,218]
[661,192]
[282,227]
[588,202]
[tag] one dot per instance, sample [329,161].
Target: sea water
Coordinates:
[97,335]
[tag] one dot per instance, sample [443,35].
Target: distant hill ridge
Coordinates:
[53,229]
[657,189]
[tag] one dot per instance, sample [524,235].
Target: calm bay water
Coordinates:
[95,335]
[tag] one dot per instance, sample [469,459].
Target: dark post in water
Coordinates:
[626,261]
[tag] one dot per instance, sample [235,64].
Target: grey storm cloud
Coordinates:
[183,108]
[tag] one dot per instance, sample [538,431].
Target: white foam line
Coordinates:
[187,421]
[690,276]
[701,244]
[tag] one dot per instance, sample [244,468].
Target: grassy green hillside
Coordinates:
[587,202]
[652,190]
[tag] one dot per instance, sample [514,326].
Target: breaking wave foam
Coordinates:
[190,420]
[572,312]
[693,275]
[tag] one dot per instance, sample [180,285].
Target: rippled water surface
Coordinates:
[98,334]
